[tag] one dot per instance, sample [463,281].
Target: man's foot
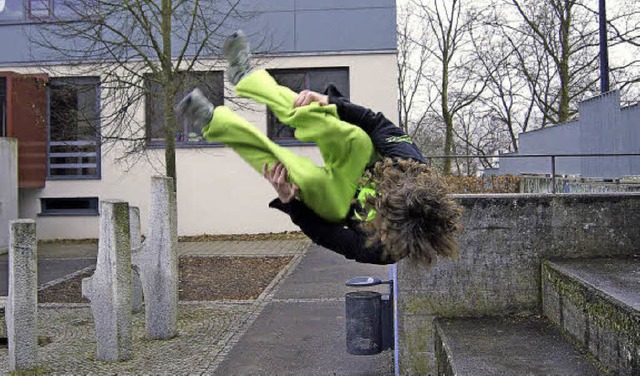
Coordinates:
[196,109]
[237,52]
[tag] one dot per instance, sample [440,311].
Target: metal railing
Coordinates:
[73,160]
[552,157]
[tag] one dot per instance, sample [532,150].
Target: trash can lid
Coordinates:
[363,281]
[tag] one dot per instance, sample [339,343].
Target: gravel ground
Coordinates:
[201,279]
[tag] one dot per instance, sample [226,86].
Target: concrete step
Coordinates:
[506,346]
[597,303]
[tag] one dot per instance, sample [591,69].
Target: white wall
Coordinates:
[8,188]
[218,193]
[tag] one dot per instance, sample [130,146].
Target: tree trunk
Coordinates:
[168,95]
[446,115]
[563,110]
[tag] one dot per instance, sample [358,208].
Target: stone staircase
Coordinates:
[590,325]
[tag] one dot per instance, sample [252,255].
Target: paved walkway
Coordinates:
[295,327]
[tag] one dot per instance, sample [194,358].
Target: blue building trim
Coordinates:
[288,27]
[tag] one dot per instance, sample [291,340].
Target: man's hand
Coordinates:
[278,179]
[307,96]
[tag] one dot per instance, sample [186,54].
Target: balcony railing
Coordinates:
[64,163]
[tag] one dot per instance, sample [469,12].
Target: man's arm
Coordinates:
[351,243]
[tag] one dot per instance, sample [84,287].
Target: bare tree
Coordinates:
[515,66]
[413,57]
[556,43]
[457,86]
[508,103]
[142,51]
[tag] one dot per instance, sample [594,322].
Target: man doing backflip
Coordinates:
[374,200]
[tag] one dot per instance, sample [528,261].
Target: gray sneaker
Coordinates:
[196,109]
[238,54]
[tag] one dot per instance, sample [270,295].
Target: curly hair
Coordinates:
[415,217]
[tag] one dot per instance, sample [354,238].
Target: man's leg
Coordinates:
[345,149]
[321,125]
[318,186]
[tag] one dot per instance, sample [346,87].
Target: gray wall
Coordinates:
[631,115]
[602,128]
[560,139]
[8,188]
[505,237]
[288,26]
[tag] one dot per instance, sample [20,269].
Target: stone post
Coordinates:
[109,289]
[158,262]
[22,303]
[8,188]
[136,247]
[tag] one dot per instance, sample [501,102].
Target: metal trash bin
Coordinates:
[363,321]
[369,317]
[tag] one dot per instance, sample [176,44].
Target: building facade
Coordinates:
[602,127]
[65,170]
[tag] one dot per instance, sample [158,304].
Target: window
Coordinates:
[74,128]
[3,107]
[315,79]
[211,84]
[40,9]
[68,206]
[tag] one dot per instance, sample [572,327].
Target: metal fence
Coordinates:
[552,158]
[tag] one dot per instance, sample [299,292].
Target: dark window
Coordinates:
[315,79]
[3,107]
[40,9]
[74,128]
[212,86]
[68,206]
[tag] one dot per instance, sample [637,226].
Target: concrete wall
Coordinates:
[505,238]
[602,128]
[8,188]
[218,193]
[540,184]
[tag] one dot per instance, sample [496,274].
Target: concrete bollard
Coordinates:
[3,321]
[136,247]
[22,301]
[109,289]
[158,262]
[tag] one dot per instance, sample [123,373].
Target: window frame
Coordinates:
[98,141]
[307,71]
[92,210]
[182,142]
[50,9]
